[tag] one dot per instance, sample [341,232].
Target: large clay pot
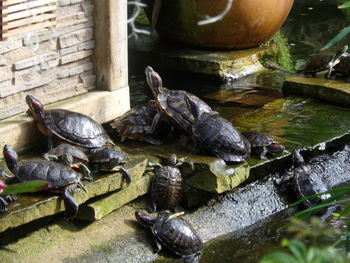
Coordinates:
[248,23]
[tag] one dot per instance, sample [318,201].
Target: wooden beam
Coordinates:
[111,44]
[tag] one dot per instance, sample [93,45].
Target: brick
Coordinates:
[74,38]
[49,64]
[88,8]
[10,44]
[68,2]
[82,46]
[75,56]
[2,60]
[71,19]
[89,79]
[29,62]
[52,34]
[5,73]
[36,79]
[74,70]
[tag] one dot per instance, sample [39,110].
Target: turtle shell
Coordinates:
[135,123]
[317,64]
[343,67]
[176,234]
[106,154]
[57,174]
[75,128]
[166,188]
[217,136]
[64,148]
[174,104]
[305,183]
[257,139]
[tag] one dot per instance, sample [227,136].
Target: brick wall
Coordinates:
[51,64]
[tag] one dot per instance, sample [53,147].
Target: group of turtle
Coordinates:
[82,142]
[211,134]
[337,66]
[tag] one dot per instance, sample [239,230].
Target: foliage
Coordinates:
[26,187]
[280,52]
[342,33]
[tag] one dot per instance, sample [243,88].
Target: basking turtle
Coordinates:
[71,156]
[173,232]
[262,144]
[342,69]
[107,159]
[69,126]
[172,103]
[306,185]
[135,124]
[216,136]
[317,64]
[166,191]
[62,179]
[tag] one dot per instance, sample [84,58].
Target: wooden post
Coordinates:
[111,49]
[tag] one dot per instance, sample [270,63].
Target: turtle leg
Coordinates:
[2,172]
[10,198]
[125,173]
[263,154]
[50,157]
[192,258]
[70,204]
[152,207]
[158,246]
[155,123]
[85,171]
[49,143]
[3,205]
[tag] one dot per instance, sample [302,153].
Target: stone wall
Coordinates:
[52,63]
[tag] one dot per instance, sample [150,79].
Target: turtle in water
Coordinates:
[172,103]
[135,124]
[70,155]
[106,159]
[317,64]
[61,178]
[166,190]
[216,136]
[262,144]
[173,232]
[69,126]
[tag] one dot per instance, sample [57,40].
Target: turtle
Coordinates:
[306,184]
[61,178]
[342,70]
[214,135]
[135,124]
[172,103]
[262,144]
[166,190]
[106,159]
[72,127]
[173,232]
[70,155]
[317,64]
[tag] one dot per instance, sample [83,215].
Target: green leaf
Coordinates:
[346,5]
[337,38]
[26,187]
[279,257]
[298,249]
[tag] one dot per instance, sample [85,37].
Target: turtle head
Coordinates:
[193,106]
[172,161]
[10,158]
[298,159]
[154,81]
[35,107]
[275,147]
[144,219]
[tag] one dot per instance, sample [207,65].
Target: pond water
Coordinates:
[309,27]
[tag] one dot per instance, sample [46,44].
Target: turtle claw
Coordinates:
[70,204]
[3,205]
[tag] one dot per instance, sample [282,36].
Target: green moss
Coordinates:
[280,52]
[142,18]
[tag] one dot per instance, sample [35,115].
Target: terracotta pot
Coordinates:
[248,23]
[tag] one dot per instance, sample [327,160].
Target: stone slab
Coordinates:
[20,131]
[334,91]
[92,211]
[32,207]
[227,65]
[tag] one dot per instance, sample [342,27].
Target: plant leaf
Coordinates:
[337,38]
[345,5]
[26,187]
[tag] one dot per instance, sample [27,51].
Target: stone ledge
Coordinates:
[333,91]
[35,206]
[21,133]
[227,65]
